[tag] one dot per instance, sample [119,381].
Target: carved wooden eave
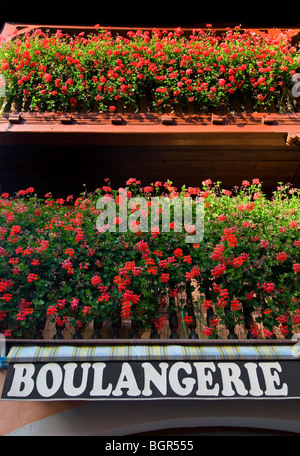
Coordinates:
[11,29]
[186,148]
[255,129]
[40,148]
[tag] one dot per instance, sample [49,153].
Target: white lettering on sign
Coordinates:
[231,378]
[205,379]
[145,380]
[69,387]
[187,382]
[42,384]
[22,384]
[98,389]
[153,376]
[255,389]
[272,379]
[126,380]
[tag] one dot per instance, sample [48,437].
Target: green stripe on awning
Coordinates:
[132,352]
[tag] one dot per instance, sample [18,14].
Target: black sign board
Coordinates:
[153,380]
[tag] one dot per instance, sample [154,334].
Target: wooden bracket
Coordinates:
[15,118]
[217,120]
[116,120]
[268,120]
[293,139]
[167,120]
[66,120]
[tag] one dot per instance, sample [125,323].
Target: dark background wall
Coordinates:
[151,13]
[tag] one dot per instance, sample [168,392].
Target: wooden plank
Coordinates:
[64,181]
[146,153]
[41,153]
[141,137]
[63,170]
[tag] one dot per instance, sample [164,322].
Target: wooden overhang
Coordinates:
[149,129]
[60,151]
[11,29]
[66,151]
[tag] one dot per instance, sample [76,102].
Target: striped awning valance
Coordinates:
[151,352]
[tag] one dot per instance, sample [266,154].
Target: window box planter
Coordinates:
[240,281]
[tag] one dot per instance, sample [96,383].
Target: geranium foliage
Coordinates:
[100,71]
[56,263]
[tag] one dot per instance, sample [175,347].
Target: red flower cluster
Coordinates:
[58,72]
[55,264]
